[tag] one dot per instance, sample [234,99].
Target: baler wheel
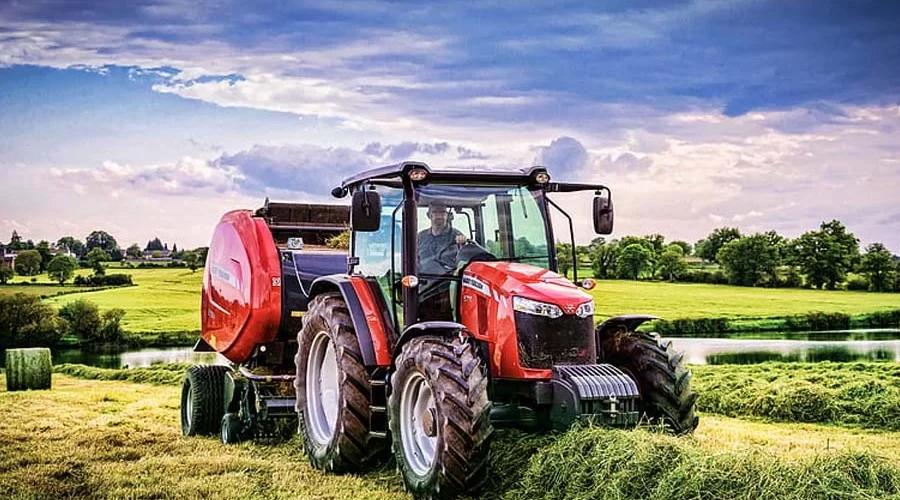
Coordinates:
[333,389]
[440,418]
[663,380]
[232,429]
[203,400]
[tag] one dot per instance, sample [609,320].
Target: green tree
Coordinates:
[192,260]
[604,258]
[73,245]
[43,248]
[96,257]
[25,321]
[686,247]
[83,318]
[878,266]
[6,274]
[671,262]
[633,260]
[15,242]
[61,268]
[105,241]
[708,249]
[28,263]
[564,260]
[134,251]
[826,255]
[750,261]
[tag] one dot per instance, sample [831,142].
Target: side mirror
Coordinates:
[603,215]
[365,211]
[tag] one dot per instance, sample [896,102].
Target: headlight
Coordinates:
[529,306]
[585,310]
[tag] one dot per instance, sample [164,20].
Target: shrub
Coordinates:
[692,327]
[111,329]
[857,283]
[86,322]
[716,277]
[818,321]
[83,317]
[104,280]
[26,322]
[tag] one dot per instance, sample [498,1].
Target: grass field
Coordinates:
[168,300]
[694,300]
[117,439]
[164,300]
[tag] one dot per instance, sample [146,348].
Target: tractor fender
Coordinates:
[629,321]
[436,328]
[358,315]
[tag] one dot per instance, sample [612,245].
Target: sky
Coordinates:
[152,118]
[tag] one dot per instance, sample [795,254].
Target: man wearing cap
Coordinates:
[437,248]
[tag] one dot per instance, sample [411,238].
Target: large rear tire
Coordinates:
[440,418]
[203,400]
[333,389]
[663,380]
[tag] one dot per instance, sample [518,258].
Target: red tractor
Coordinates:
[446,319]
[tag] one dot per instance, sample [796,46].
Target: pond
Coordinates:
[136,358]
[842,346]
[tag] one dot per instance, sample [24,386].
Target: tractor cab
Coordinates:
[415,231]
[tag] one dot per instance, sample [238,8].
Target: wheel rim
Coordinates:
[322,387]
[188,406]
[416,403]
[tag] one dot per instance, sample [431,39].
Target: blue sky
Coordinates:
[151,118]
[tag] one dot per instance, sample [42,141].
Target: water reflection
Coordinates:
[842,346]
[744,351]
[137,358]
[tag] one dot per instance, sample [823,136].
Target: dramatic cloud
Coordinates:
[697,113]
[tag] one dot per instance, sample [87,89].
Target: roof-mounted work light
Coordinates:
[418,174]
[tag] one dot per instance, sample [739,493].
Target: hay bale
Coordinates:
[28,369]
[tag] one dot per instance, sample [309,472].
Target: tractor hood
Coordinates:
[508,279]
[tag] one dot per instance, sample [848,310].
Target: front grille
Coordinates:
[544,342]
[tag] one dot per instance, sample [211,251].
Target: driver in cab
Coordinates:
[437,247]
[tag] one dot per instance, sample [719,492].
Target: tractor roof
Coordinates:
[452,175]
[523,176]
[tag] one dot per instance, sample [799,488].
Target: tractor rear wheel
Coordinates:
[440,417]
[663,380]
[203,400]
[333,389]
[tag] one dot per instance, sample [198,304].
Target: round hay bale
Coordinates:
[28,369]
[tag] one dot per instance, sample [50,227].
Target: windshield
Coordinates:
[458,223]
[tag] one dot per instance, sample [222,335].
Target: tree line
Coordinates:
[821,258]
[98,247]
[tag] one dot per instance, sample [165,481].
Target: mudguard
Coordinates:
[437,328]
[629,321]
[366,313]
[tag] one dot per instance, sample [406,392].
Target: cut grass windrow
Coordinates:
[117,439]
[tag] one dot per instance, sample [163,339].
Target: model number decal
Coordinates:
[476,284]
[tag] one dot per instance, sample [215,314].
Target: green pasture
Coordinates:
[163,300]
[168,300]
[696,300]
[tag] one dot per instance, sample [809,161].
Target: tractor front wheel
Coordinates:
[663,380]
[440,417]
[333,389]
